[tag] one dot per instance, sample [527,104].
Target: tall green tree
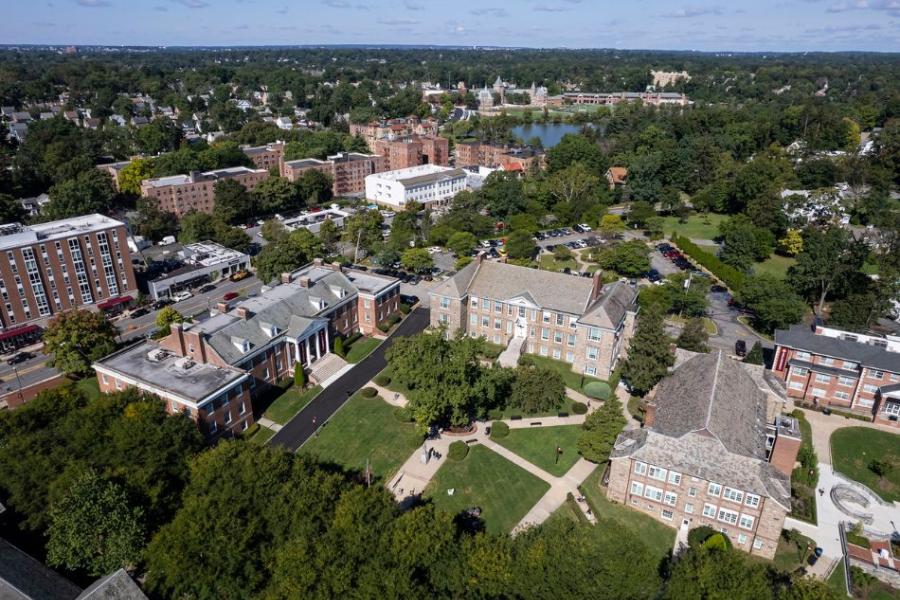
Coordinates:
[520,245]
[536,389]
[77,338]
[826,263]
[417,260]
[693,336]
[234,204]
[462,243]
[772,301]
[649,357]
[89,192]
[600,430]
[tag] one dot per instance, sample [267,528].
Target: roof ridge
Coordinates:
[712,391]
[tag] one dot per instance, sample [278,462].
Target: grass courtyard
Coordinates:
[572,379]
[504,492]
[361,348]
[365,428]
[659,538]
[854,448]
[290,403]
[548,263]
[776,266]
[698,226]
[538,446]
[89,386]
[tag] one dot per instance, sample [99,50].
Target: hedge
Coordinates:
[598,390]
[352,338]
[384,327]
[499,429]
[404,308]
[579,408]
[733,278]
[382,380]
[368,392]
[698,535]
[458,451]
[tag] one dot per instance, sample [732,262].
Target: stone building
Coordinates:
[707,455]
[573,319]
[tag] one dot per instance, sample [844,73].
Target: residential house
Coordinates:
[265,157]
[616,177]
[412,151]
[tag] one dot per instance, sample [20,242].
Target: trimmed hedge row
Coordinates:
[382,380]
[730,276]
[368,392]
[579,408]
[458,451]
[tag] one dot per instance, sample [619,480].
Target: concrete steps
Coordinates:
[510,357]
[326,367]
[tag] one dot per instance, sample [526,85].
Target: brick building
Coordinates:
[181,194]
[708,456]
[573,319]
[214,368]
[393,128]
[839,369]
[412,151]
[469,154]
[348,170]
[265,157]
[49,268]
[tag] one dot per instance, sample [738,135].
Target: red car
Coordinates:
[230,296]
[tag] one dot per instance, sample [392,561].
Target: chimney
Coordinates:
[304,282]
[787,444]
[178,338]
[242,313]
[222,307]
[597,286]
[336,266]
[285,278]
[649,414]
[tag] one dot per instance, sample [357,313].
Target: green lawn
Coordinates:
[365,428]
[573,380]
[538,446]
[708,324]
[776,265]
[504,492]
[838,580]
[262,435]
[569,512]
[512,412]
[659,538]
[548,263]
[789,556]
[698,226]
[854,448]
[89,386]
[290,403]
[361,348]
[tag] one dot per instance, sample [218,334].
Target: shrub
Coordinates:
[382,380]
[718,541]
[338,346]
[733,278]
[614,378]
[404,308]
[495,414]
[403,415]
[499,429]
[368,392]
[526,360]
[698,535]
[395,318]
[598,390]
[579,408]
[299,375]
[352,338]
[384,327]
[458,451]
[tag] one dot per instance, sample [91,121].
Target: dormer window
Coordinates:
[269,329]
[241,344]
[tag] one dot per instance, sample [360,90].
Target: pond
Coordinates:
[549,133]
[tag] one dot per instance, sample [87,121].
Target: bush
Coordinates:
[384,327]
[598,390]
[579,408]
[382,380]
[458,451]
[698,535]
[614,378]
[499,429]
[368,392]
[718,541]
[730,276]
[395,318]
[338,346]
[525,360]
[404,308]
[352,338]
[299,376]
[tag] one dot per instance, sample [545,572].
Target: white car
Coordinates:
[181,296]
[585,226]
[434,250]
[387,213]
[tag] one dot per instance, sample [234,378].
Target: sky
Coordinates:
[737,25]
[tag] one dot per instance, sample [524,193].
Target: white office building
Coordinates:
[430,185]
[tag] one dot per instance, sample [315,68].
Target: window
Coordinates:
[213,426]
[757,544]
[674,477]
[850,365]
[746,522]
[571,339]
[845,380]
[803,355]
[799,371]
[545,333]
[733,495]
[877,374]
[818,392]
[556,354]
[243,408]
[653,493]
[570,357]
[546,317]
[590,370]
[227,415]
[842,395]
[752,500]
[557,337]
[657,473]
[474,302]
[742,539]
[473,319]
[823,378]
[640,468]
[667,514]
[594,334]
[714,489]
[592,353]
[827,361]
[485,304]
[870,388]
[689,509]
[671,498]
[498,307]
[445,302]
[709,511]
[795,385]
[637,488]
[485,321]
[497,323]
[692,492]
[727,516]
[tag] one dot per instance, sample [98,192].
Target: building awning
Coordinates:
[16,332]
[113,302]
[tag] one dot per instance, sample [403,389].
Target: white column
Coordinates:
[315,338]
[327,341]
[309,356]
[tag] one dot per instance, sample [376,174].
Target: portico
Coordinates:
[311,339]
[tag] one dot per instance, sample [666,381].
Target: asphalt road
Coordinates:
[320,409]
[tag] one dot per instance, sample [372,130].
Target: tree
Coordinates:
[639,213]
[11,211]
[519,244]
[462,262]
[78,338]
[417,260]
[339,346]
[135,172]
[611,225]
[755,356]
[537,389]
[744,243]
[792,242]
[629,259]
[649,358]
[772,301]
[693,336]
[600,430]
[363,230]
[299,376]
[573,190]
[502,194]
[89,192]
[165,318]
[724,570]
[329,234]
[277,194]
[234,204]
[152,223]
[287,255]
[273,230]
[314,188]
[95,528]
[562,253]
[462,243]
[826,263]
[573,149]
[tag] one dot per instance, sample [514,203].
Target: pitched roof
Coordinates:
[25,578]
[618,174]
[115,586]
[616,299]
[801,337]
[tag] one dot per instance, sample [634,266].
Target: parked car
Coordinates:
[540,236]
[740,348]
[550,247]
[230,296]
[239,276]
[206,288]
[578,228]
[162,303]
[182,296]
[584,227]
[139,312]
[19,357]
[653,275]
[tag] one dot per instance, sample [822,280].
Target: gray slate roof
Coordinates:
[25,578]
[616,299]
[712,395]
[115,586]
[801,337]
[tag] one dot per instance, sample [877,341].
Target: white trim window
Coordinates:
[653,493]
[820,378]
[757,544]
[667,514]
[752,500]
[671,498]
[795,385]
[689,508]
[733,495]
[742,539]
[637,488]
[709,510]
[445,302]
[846,381]
[746,522]
[727,516]
[692,492]
[640,468]
[802,356]
[674,477]
[657,473]
[714,489]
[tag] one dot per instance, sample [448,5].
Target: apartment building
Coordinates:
[612,98]
[181,194]
[708,456]
[265,157]
[394,128]
[214,368]
[49,268]
[348,170]
[828,367]
[498,156]
[573,319]
[429,185]
[411,151]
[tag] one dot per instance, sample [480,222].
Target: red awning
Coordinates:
[24,329]
[113,302]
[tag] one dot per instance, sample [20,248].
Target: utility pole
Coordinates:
[356,252]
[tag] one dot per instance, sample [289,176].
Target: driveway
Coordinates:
[730,329]
[299,429]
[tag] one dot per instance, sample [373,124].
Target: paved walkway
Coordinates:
[824,425]
[269,424]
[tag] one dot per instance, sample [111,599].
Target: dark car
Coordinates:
[409,300]
[230,296]
[740,348]
[540,236]
[139,312]
[161,303]
[19,357]
[578,228]
[550,247]
[207,288]
[653,275]
[718,289]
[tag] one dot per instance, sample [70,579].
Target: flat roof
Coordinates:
[13,235]
[205,176]
[304,162]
